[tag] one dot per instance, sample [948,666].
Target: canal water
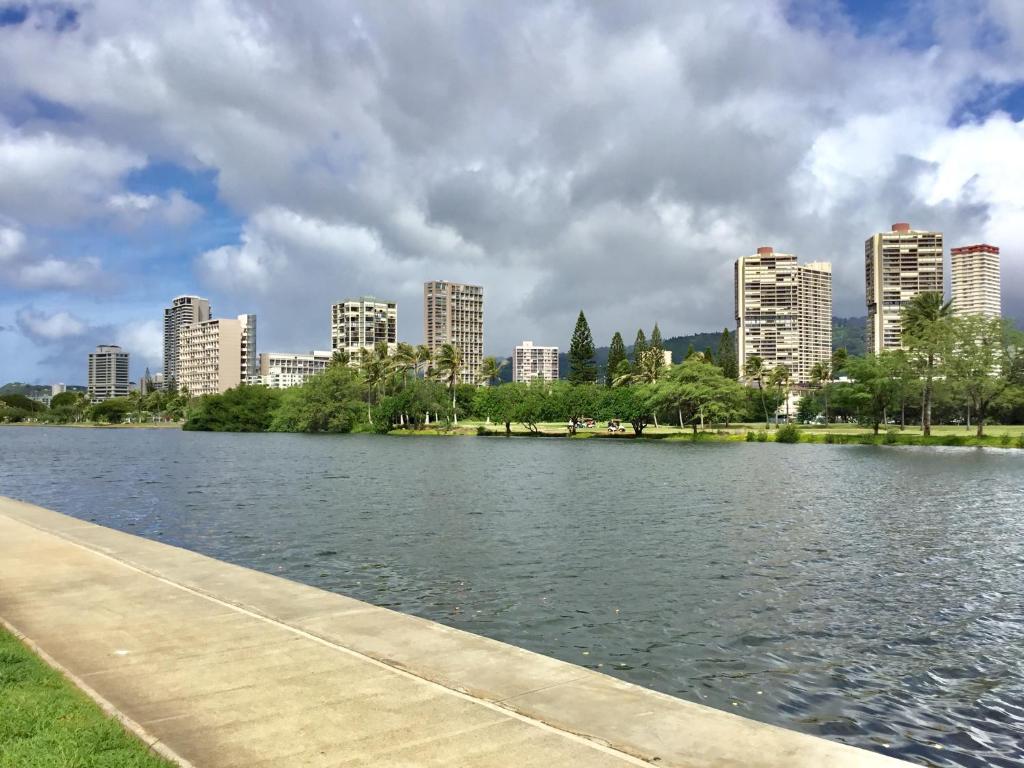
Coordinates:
[870,595]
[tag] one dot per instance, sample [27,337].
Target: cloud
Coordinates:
[11,242]
[47,328]
[143,340]
[59,274]
[135,210]
[611,157]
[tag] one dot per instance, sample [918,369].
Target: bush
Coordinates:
[1004,440]
[891,437]
[830,438]
[952,440]
[1020,440]
[787,433]
[751,436]
[762,436]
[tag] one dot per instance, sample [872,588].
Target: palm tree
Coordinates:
[424,360]
[780,377]
[339,357]
[924,323]
[449,368]
[646,370]
[490,370]
[756,370]
[405,359]
[375,367]
[821,374]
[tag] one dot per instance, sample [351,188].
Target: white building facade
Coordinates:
[783,312]
[183,311]
[280,370]
[976,281]
[362,323]
[217,355]
[453,313]
[108,373]
[531,362]
[898,265]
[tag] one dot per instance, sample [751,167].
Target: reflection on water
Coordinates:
[874,596]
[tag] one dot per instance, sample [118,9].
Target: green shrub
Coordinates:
[891,437]
[1004,440]
[830,438]
[762,436]
[787,433]
[952,440]
[751,436]
[1020,440]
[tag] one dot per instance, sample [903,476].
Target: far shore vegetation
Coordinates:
[959,381]
[46,721]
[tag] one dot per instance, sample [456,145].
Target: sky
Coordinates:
[277,157]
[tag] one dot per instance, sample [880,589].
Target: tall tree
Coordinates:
[757,371]
[821,377]
[655,342]
[839,358]
[709,356]
[690,351]
[924,327]
[582,365]
[640,345]
[727,360]
[983,357]
[616,354]
[490,370]
[449,369]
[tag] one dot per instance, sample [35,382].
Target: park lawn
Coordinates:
[46,722]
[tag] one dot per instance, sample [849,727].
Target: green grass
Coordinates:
[46,722]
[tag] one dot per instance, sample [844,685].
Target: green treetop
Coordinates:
[582,365]
[727,360]
[616,354]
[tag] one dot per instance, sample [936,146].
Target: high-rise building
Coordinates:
[976,286]
[898,265]
[108,373]
[531,362]
[453,313]
[184,310]
[358,324]
[280,370]
[783,312]
[217,355]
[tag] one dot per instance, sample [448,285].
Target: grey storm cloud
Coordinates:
[611,157]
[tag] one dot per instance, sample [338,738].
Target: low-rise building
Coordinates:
[280,370]
[108,373]
[530,362]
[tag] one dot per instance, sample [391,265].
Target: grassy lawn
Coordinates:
[46,722]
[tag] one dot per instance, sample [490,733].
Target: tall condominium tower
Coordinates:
[108,373]
[183,310]
[531,362]
[898,265]
[783,312]
[976,289]
[453,313]
[358,324]
[217,355]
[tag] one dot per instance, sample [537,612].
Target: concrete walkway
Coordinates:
[217,665]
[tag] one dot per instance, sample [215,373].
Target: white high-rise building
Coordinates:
[358,324]
[280,370]
[783,312]
[530,362]
[976,283]
[453,313]
[108,373]
[898,265]
[217,355]
[184,310]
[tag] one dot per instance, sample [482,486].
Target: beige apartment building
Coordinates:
[976,282]
[184,310]
[217,355]
[358,324]
[108,373]
[530,362]
[898,265]
[453,313]
[280,370]
[783,312]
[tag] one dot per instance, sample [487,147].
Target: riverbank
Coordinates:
[100,425]
[46,721]
[224,666]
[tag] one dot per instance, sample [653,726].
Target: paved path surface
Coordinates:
[220,666]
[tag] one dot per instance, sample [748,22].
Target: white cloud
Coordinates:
[135,210]
[11,242]
[59,274]
[47,328]
[142,339]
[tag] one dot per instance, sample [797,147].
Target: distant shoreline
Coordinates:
[1013,439]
